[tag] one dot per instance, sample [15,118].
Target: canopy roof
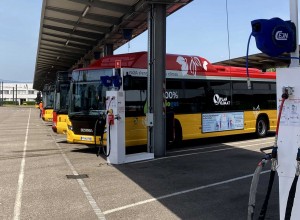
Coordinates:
[259,61]
[71,31]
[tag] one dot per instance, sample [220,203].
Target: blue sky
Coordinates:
[199,28]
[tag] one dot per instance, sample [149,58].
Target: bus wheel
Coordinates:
[178,134]
[261,127]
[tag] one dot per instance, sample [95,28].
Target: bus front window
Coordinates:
[87,94]
[87,98]
[48,99]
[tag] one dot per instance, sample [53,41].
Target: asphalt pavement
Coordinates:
[44,177]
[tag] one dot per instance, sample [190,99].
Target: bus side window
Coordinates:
[221,99]
[174,95]
[264,95]
[136,97]
[194,100]
[209,95]
[242,97]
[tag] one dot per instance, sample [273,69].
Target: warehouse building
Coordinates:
[19,93]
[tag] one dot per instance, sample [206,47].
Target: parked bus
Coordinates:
[38,100]
[61,101]
[48,100]
[207,100]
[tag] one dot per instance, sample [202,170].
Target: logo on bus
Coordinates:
[220,101]
[87,130]
[190,67]
[171,95]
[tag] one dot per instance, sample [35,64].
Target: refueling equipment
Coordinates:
[115,102]
[288,143]
[275,37]
[115,123]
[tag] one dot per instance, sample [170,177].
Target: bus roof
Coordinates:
[188,64]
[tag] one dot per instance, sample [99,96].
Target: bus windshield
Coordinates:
[62,97]
[48,99]
[87,94]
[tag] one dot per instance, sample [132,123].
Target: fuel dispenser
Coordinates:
[289,143]
[275,37]
[115,126]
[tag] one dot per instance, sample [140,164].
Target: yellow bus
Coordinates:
[206,100]
[61,101]
[48,99]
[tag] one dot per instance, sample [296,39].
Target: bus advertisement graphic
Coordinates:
[212,122]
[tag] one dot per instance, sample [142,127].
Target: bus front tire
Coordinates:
[261,127]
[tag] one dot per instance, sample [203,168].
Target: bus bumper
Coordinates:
[48,116]
[83,139]
[61,124]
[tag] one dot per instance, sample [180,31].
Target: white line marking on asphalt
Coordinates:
[180,193]
[85,190]
[202,152]
[220,145]
[18,202]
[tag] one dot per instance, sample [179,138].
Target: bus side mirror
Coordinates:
[127,82]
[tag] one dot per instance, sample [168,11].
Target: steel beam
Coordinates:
[106,5]
[70,44]
[90,35]
[93,27]
[71,38]
[101,18]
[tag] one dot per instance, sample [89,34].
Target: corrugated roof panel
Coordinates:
[71,30]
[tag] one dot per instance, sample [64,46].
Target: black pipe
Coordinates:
[293,189]
[290,201]
[264,208]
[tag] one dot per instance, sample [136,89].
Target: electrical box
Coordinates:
[149,117]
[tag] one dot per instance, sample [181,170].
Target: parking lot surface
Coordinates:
[44,177]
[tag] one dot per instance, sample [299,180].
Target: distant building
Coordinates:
[19,92]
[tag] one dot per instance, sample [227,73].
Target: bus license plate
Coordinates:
[86,138]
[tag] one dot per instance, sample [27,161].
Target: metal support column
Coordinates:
[2,92]
[108,49]
[157,74]
[149,78]
[16,94]
[86,62]
[294,19]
